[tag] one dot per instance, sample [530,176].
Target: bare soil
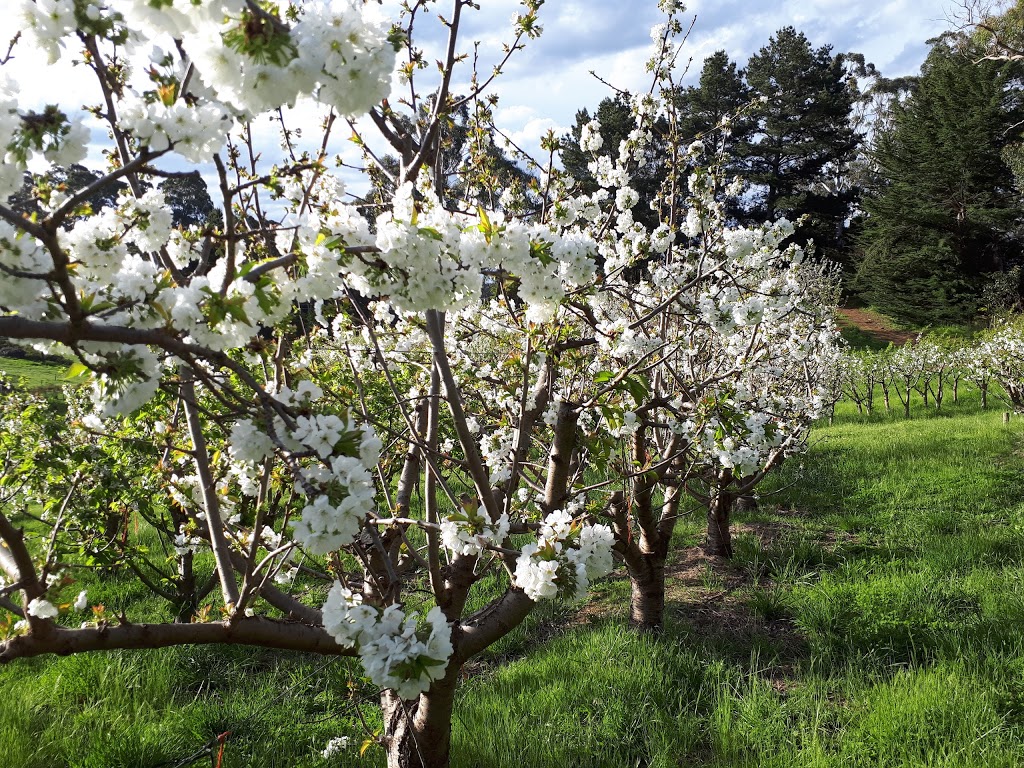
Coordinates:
[876,326]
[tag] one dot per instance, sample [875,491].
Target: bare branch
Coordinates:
[256,631]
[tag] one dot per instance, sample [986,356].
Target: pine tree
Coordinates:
[721,96]
[189,200]
[945,214]
[802,110]
[717,111]
[617,120]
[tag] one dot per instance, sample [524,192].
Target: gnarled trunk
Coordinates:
[646,555]
[719,537]
[418,733]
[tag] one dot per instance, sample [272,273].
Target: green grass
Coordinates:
[880,624]
[34,375]
[859,339]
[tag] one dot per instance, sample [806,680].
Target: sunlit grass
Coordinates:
[32,374]
[872,617]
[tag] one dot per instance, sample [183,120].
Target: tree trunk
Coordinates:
[418,734]
[187,590]
[719,537]
[647,598]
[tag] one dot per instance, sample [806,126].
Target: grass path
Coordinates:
[873,328]
[35,374]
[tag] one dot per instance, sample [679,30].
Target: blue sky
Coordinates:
[550,79]
[545,84]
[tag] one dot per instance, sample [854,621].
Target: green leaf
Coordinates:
[76,370]
[485,223]
[636,387]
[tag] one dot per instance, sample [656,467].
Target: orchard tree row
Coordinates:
[388,428]
[933,368]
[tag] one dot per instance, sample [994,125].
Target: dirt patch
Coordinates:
[876,326]
[707,595]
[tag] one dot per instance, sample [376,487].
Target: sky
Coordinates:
[545,84]
[550,79]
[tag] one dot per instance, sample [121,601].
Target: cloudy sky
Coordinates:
[544,85]
[550,80]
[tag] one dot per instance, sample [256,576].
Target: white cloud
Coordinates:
[544,85]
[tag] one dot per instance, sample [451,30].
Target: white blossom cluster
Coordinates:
[333,516]
[42,609]
[497,449]
[590,137]
[469,532]
[566,557]
[50,135]
[196,133]
[185,544]
[21,258]
[253,62]
[396,651]
[133,380]
[337,475]
[431,259]
[335,747]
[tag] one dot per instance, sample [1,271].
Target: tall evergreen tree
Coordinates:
[68,180]
[946,212]
[720,95]
[617,120]
[189,200]
[802,110]
[717,111]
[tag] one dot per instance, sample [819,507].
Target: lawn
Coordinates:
[872,617]
[36,375]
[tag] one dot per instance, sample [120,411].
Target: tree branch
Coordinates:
[257,631]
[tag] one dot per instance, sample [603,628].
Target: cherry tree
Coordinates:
[345,425]
[714,356]
[1001,356]
[296,488]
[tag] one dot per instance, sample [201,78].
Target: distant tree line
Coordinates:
[912,184]
[186,194]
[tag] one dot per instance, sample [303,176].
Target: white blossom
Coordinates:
[42,609]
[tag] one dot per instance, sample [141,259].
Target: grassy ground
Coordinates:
[871,617]
[35,375]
